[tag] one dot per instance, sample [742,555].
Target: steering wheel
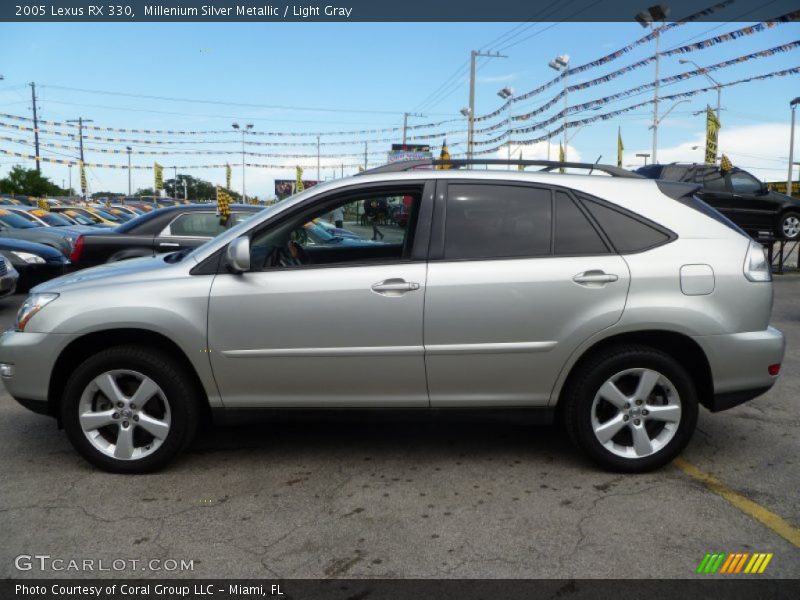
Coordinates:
[292,254]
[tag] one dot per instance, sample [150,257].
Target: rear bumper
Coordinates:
[739,365]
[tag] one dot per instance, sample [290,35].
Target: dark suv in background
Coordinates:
[738,195]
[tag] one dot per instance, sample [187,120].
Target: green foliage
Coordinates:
[29,182]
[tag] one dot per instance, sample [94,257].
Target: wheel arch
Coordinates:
[85,346]
[679,346]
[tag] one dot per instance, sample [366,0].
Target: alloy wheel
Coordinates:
[124,414]
[791,227]
[636,413]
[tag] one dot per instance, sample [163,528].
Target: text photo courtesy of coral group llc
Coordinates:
[390,301]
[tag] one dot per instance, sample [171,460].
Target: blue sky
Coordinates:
[366,75]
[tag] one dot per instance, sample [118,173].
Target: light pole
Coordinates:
[507,94]
[473,56]
[647,18]
[244,129]
[466,112]
[560,64]
[717,84]
[793,104]
[645,156]
[128,148]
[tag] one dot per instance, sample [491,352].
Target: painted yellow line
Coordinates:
[765,563]
[763,515]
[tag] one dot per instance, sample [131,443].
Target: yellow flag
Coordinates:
[725,164]
[444,155]
[298,183]
[712,135]
[84,187]
[560,156]
[620,147]
[223,205]
[158,172]
[43,204]
[228,176]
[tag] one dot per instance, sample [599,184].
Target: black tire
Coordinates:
[581,391]
[170,376]
[782,226]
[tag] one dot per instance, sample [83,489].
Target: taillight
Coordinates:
[756,265]
[774,369]
[77,249]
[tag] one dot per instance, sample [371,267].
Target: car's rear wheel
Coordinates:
[631,408]
[790,226]
[129,409]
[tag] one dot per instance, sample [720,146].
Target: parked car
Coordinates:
[618,304]
[44,218]
[96,215]
[35,263]
[80,218]
[162,230]
[8,278]
[738,195]
[15,226]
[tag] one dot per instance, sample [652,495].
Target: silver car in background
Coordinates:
[615,303]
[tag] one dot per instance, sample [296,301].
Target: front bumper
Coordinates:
[8,282]
[739,365]
[33,356]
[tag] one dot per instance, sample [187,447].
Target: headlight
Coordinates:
[33,259]
[32,305]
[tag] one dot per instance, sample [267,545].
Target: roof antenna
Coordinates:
[595,164]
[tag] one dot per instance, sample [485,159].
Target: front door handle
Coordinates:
[595,278]
[169,244]
[394,287]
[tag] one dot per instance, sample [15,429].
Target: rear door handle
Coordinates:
[394,287]
[169,244]
[595,278]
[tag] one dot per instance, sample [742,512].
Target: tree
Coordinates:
[106,194]
[29,182]
[197,189]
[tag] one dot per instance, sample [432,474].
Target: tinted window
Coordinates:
[197,224]
[496,221]
[744,183]
[713,181]
[626,233]
[575,235]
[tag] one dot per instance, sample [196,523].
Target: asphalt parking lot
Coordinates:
[440,497]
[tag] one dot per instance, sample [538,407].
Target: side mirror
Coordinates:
[237,255]
[764,189]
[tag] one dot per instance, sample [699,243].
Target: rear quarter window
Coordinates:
[627,233]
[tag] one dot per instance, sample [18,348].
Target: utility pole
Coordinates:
[318,158]
[35,127]
[175,183]
[474,54]
[128,148]
[366,146]
[405,123]
[649,18]
[80,121]
[245,129]
[185,189]
[793,104]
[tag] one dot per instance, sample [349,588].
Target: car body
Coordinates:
[35,263]
[163,230]
[619,304]
[18,227]
[738,195]
[8,278]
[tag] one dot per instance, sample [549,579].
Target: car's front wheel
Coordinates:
[129,409]
[631,408]
[790,226]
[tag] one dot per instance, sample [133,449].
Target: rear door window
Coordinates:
[575,235]
[195,224]
[497,221]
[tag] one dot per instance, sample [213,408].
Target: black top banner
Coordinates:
[382,10]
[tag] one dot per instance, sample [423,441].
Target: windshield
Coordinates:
[52,219]
[28,217]
[107,215]
[79,218]
[15,221]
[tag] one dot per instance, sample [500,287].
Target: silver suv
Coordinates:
[615,303]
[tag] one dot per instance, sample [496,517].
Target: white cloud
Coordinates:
[762,149]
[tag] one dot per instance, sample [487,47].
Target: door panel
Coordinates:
[497,332]
[319,337]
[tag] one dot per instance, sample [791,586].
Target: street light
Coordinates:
[244,129]
[507,94]
[647,18]
[717,84]
[645,156]
[560,63]
[793,104]
[128,148]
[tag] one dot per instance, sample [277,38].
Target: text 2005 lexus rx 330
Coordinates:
[618,304]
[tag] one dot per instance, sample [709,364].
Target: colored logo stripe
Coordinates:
[737,562]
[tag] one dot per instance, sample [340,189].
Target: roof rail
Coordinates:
[457,163]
